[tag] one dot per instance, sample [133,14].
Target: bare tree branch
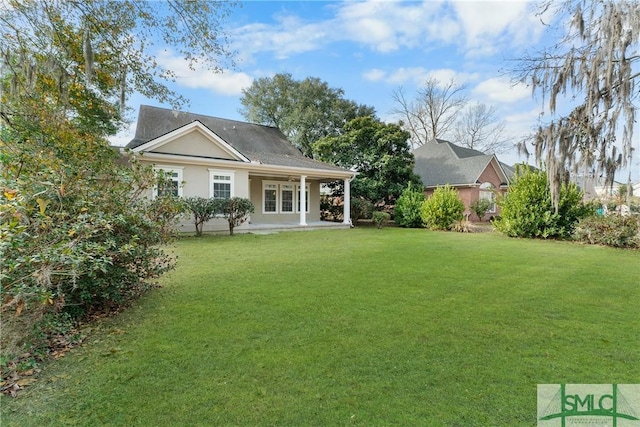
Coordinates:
[432,113]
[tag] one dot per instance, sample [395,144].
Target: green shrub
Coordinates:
[611,230]
[443,209]
[76,238]
[236,210]
[202,209]
[407,210]
[480,207]
[527,211]
[360,209]
[380,219]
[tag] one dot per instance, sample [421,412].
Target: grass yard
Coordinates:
[352,327]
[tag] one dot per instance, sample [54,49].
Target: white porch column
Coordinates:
[303,200]
[346,203]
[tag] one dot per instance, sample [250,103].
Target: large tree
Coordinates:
[379,152]
[432,113]
[478,128]
[592,67]
[304,111]
[76,233]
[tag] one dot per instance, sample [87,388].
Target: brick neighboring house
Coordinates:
[473,173]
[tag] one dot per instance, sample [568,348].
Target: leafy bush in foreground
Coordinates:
[611,230]
[236,210]
[77,238]
[527,211]
[480,207]
[380,219]
[407,210]
[203,209]
[360,209]
[443,209]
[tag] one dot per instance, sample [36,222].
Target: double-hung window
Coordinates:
[270,196]
[286,197]
[169,181]
[220,184]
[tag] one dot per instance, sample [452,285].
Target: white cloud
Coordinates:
[374,75]
[490,26]
[384,26]
[226,82]
[475,27]
[289,36]
[501,90]
[411,75]
[417,76]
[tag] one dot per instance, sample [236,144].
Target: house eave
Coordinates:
[253,167]
[462,185]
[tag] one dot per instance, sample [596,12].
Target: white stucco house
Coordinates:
[219,158]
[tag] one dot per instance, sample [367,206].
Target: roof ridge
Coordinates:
[205,115]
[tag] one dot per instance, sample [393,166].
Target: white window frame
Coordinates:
[283,188]
[280,187]
[487,192]
[213,173]
[266,186]
[306,199]
[167,170]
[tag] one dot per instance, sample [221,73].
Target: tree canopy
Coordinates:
[304,111]
[593,66]
[76,232]
[379,152]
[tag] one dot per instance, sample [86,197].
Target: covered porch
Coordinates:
[290,201]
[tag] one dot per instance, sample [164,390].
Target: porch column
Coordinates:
[346,203]
[303,200]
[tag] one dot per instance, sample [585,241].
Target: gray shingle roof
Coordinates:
[440,162]
[262,144]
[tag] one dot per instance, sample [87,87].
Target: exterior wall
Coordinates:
[470,193]
[259,217]
[196,183]
[189,158]
[195,179]
[195,144]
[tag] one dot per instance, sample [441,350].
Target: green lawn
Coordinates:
[352,327]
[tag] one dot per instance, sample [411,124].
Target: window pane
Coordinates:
[168,188]
[270,200]
[286,197]
[221,190]
[287,200]
[306,193]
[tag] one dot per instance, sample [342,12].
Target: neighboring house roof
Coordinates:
[247,142]
[440,162]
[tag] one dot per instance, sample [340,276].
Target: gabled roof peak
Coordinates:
[439,162]
[459,151]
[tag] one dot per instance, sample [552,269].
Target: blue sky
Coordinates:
[371,48]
